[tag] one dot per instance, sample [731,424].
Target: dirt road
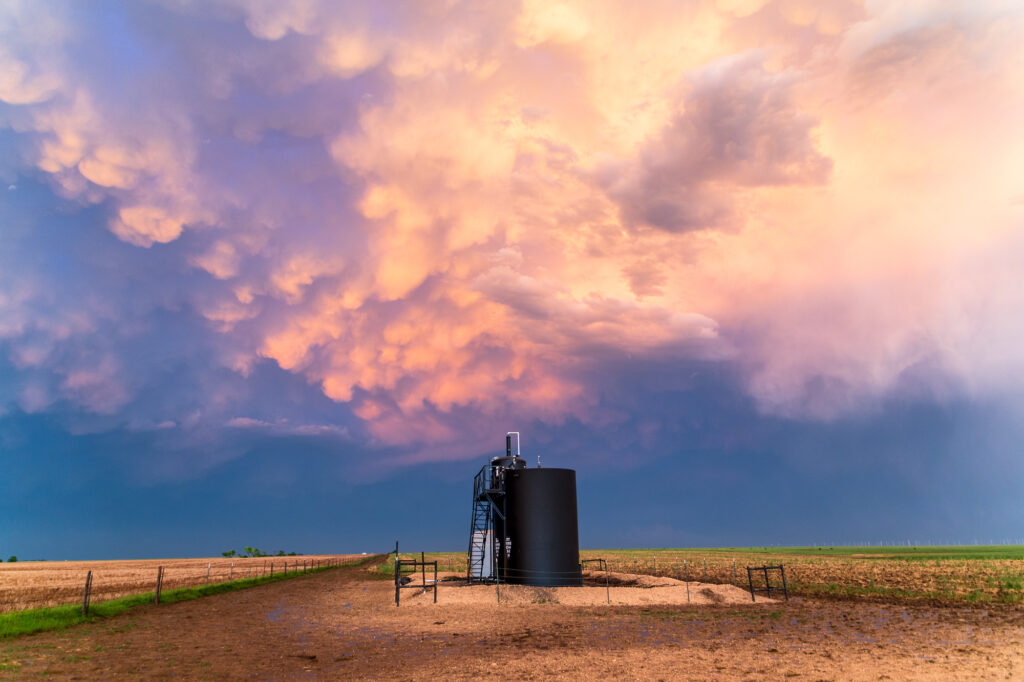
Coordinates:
[343,624]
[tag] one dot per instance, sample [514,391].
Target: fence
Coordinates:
[703,570]
[869,576]
[28,585]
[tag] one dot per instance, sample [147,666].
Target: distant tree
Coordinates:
[292,554]
[280,552]
[230,553]
[12,559]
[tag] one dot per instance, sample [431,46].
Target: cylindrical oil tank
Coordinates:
[541,533]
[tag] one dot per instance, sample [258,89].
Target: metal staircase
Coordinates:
[484,553]
[482,543]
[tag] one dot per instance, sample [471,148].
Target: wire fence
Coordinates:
[953,580]
[42,584]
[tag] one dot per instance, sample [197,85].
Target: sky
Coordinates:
[282,274]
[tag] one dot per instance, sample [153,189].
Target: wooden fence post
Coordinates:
[85,594]
[231,572]
[159,583]
[686,579]
[734,572]
[655,566]
[208,574]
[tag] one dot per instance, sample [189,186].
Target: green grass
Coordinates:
[59,617]
[386,569]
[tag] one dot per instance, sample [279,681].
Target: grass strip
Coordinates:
[58,617]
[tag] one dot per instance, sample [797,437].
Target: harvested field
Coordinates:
[33,584]
[879,576]
[953,575]
[343,624]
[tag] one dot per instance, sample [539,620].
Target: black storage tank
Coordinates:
[540,533]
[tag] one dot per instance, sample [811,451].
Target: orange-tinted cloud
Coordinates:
[443,207]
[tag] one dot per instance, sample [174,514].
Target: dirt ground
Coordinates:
[344,624]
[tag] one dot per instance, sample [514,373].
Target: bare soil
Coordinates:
[344,624]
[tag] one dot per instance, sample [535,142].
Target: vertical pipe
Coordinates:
[423,568]
[435,582]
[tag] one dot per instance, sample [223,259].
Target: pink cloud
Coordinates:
[433,209]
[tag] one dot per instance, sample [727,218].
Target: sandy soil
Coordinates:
[344,624]
[31,584]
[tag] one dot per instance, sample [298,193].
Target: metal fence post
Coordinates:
[208,574]
[397,574]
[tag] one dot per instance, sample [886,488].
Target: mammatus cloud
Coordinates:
[444,215]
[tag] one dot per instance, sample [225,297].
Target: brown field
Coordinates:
[863,576]
[980,581]
[33,584]
[343,624]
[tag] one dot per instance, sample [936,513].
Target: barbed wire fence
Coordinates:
[58,586]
